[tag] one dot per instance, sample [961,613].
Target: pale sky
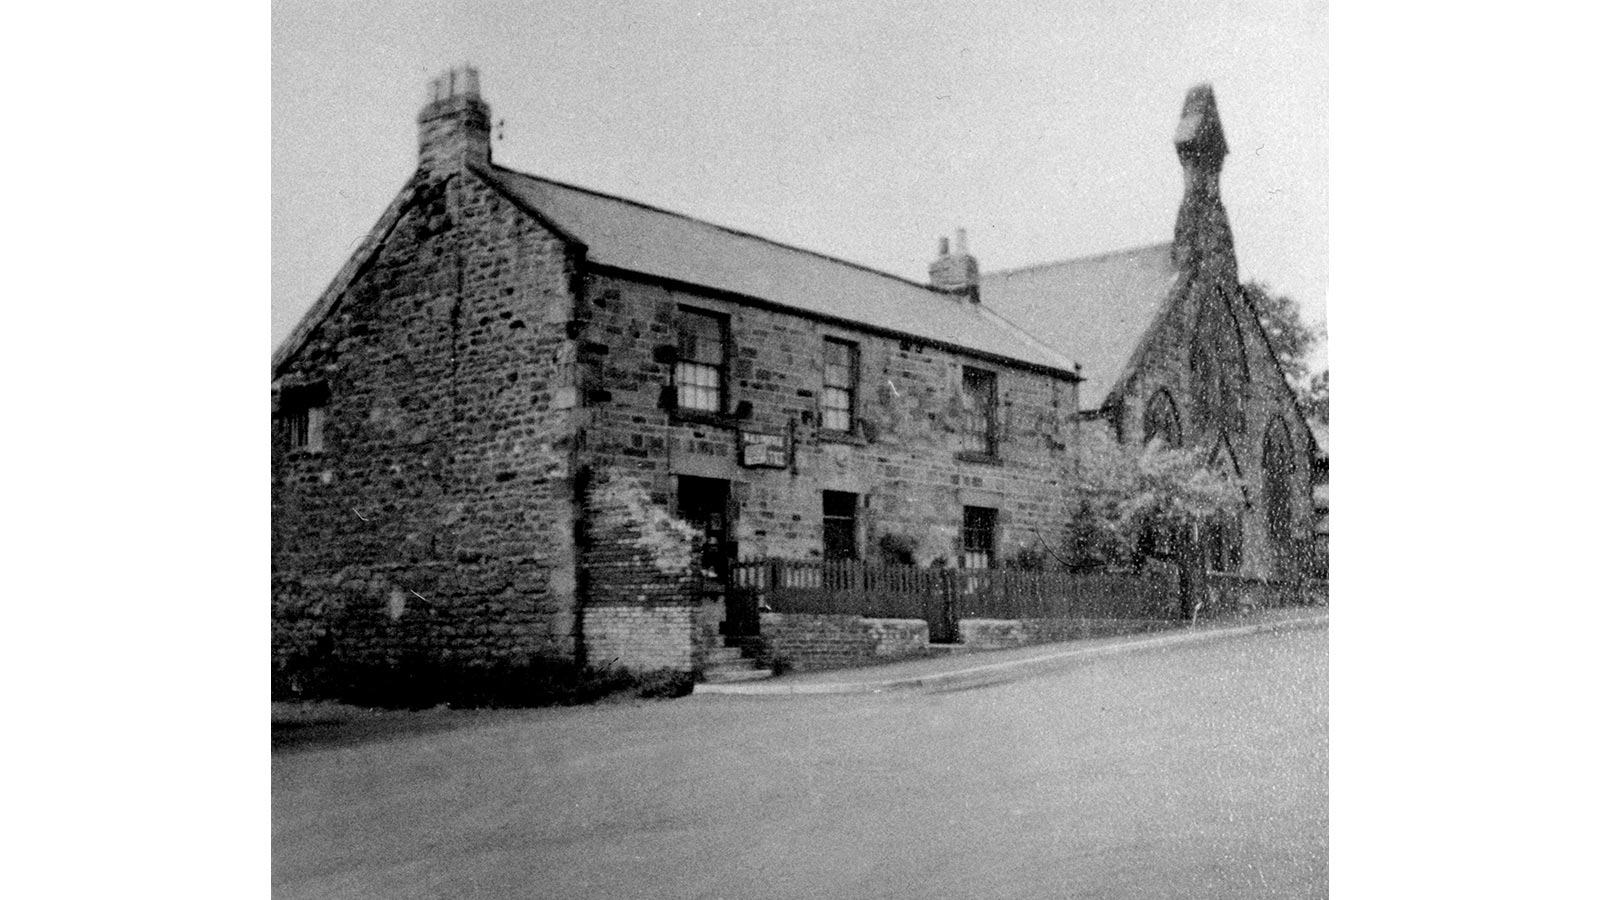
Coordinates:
[863,129]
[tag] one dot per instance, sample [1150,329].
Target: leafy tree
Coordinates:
[1292,341]
[1316,397]
[1122,493]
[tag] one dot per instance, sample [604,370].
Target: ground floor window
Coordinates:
[839,525]
[977,537]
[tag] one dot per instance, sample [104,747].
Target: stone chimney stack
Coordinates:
[955,272]
[453,127]
[1202,230]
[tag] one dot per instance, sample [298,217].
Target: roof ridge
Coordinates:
[1126,251]
[724,228]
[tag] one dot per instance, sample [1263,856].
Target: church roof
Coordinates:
[624,234]
[1094,309]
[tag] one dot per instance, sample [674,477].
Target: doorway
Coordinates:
[705,504]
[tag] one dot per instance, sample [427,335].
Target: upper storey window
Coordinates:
[301,414]
[701,372]
[840,368]
[980,398]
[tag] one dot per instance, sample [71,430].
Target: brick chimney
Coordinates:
[1202,230]
[453,127]
[955,272]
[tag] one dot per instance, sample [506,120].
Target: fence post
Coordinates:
[948,617]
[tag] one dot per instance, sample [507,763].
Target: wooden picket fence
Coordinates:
[944,596]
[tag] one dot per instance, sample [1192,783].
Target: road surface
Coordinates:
[1193,771]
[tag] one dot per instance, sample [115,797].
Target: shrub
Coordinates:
[897,549]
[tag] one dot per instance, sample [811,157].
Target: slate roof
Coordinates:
[1095,309]
[633,236]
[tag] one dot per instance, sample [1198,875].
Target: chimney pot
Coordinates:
[957,272]
[453,127]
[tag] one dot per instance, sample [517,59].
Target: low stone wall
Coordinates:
[990,634]
[647,638]
[997,634]
[803,642]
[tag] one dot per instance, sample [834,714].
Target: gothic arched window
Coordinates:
[1222,536]
[1277,490]
[1161,420]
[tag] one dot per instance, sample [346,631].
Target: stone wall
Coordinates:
[903,463]
[804,642]
[437,517]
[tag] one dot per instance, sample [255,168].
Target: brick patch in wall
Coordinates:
[643,638]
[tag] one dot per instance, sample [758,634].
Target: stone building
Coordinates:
[528,420]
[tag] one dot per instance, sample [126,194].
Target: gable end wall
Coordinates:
[1164,364]
[437,522]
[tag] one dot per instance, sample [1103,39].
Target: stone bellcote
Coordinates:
[453,127]
[1202,231]
[955,272]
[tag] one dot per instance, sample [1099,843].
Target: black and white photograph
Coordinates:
[831,448]
[799,450]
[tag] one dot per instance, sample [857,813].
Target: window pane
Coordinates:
[313,435]
[837,353]
[836,409]
[977,537]
[838,385]
[699,387]
[296,426]
[700,338]
[978,387]
[838,525]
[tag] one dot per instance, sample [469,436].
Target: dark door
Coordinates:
[703,503]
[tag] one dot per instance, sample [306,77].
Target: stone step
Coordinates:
[719,655]
[735,664]
[721,675]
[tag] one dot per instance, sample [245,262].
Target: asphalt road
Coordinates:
[1193,771]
